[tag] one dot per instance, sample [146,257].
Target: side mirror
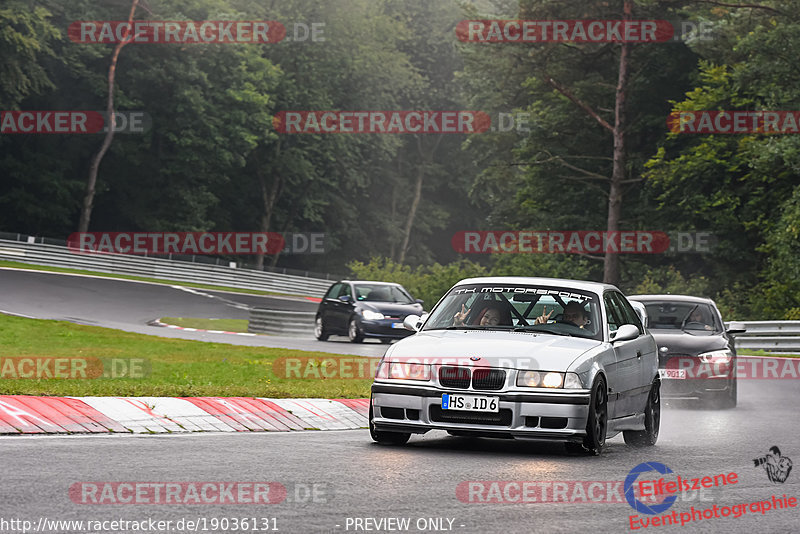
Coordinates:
[736,327]
[412,322]
[420,302]
[346,298]
[641,311]
[626,332]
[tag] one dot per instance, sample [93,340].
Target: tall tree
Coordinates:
[111,126]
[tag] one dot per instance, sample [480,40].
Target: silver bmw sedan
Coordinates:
[526,358]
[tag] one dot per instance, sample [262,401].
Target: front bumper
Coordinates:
[385,328]
[694,388]
[559,416]
[701,379]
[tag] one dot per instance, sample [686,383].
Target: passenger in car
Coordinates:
[491,315]
[573,313]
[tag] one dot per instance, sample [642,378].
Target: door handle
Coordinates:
[639,354]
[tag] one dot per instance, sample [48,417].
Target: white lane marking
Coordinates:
[16,314]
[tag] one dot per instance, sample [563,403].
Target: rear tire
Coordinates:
[385,437]
[596,423]
[319,330]
[354,332]
[652,421]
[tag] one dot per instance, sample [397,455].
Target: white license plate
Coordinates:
[397,325]
[672,373]
[470,403]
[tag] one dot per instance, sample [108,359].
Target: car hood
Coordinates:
[392,309]
[521,350]
[682,343]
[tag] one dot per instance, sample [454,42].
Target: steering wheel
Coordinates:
[697,325]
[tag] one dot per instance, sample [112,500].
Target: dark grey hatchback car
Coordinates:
[361,309]
[696,354]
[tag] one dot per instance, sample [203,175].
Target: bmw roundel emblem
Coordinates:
[474,358]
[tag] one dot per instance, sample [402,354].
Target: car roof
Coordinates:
[368,282]
[671,298]
[594,287]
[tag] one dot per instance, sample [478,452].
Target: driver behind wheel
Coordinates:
[573,314]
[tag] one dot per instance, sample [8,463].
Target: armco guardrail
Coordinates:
[778,336]
[164,269]
[292,323]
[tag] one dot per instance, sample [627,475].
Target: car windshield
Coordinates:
[552,310]
[382,293]
[687,316]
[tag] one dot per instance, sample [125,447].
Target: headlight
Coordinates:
[403,371]
[530,379]
[544,379]
[371,315]
[553,380]
[717,356]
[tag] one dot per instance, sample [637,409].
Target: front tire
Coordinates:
[354,332]
[652,421]
[596,423]
[727,399]
[384,437]
[319,330]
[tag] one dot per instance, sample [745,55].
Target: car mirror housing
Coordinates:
[736,327]
[626,332]
[346,298]
[420,302]
[412,322]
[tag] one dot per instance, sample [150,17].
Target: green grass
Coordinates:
[19,265]
[745,352]
[227,325]
[174,367]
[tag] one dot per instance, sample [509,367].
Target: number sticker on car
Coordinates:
[397,325]
[472,403]
[672,373]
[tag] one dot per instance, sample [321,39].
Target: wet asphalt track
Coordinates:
[358,479]
[129,305]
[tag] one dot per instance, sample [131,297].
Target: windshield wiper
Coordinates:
[537,329]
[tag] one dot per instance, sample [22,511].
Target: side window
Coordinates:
[333,292]
[344,290]
[629,314]
[615,317]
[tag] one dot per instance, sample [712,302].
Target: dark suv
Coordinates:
[360,309]
[696,355]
